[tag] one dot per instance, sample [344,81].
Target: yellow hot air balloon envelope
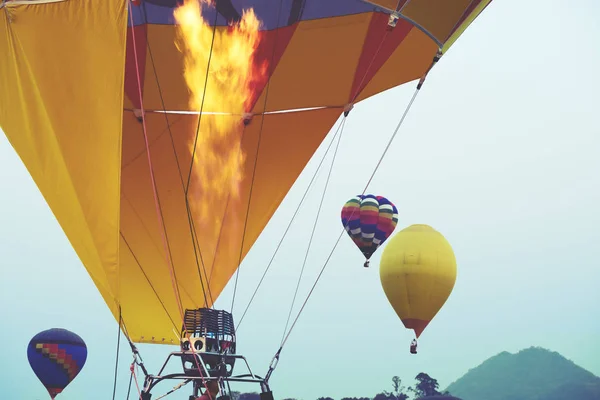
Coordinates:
[104,114]
[418,272]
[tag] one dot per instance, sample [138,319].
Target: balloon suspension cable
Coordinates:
[346,111]
[260,131]
[273,364]
[210,52]
[157,204]
[241,254]
[310,186]
[312,234]
[197,251]
[195,240]
[175,388]
[361,85]
[194,236]
[137,261]
[134,375]
[137,358]
[117,353]
[152,177]
[275,359]
[147,387]
[137,361]
[130,382]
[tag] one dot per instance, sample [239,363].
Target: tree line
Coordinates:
[425,386]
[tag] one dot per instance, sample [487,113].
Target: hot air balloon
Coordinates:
[71,105]
[418,272]
[56,357]
[369,220]
[163,160]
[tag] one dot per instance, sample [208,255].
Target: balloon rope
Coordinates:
[194,236]
[262,122]
[310,185]
[137,261]
[360,87]
[195,241]
[353,98]
[134,375]
[162,226]
[117,355]
[312,234]
[344,230]
[130,382]
[155,191]
[210,52]
[175,388]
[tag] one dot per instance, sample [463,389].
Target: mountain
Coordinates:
[531,374]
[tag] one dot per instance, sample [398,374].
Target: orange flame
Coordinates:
[219,158]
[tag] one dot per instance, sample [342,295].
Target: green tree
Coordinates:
[396,381]
[384,396]
[426,386]
[398,388]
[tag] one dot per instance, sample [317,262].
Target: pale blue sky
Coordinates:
[499,153]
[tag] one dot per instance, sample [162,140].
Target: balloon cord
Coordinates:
[344,230]
[359,88]
[310,185]
[150,167]
[154,189]
[133,374]
[260,131]
[312,234]
[117,355]
[129,389]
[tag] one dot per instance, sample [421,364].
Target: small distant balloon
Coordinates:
[56,357]
[369,220]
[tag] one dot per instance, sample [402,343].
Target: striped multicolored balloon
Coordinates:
[369,220]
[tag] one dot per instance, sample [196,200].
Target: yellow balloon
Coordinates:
[418,272]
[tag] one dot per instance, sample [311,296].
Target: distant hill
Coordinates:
[531,374]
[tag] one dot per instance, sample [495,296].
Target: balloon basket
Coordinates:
[199,380]
[207,353]
[208,335]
